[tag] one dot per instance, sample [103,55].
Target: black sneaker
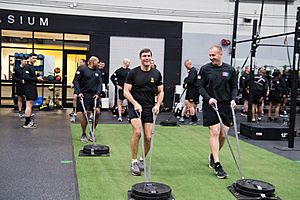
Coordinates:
[211,161]
[219,171]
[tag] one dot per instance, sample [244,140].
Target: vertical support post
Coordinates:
[234,32]
[252,67]
[295,76]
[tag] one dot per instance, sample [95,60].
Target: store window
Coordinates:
[49,48]
[45,40]
[18,39]
[76,42]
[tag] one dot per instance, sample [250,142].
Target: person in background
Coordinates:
[244,87]
[73,115]
[18,77]
[191,83]
[118,79]
[30,89]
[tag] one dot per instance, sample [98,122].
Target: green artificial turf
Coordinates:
[179,160]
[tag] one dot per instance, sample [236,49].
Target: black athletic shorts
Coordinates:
[192,95]
[30,92]
[147,115]
[256,96]
[210,116]
[275,97]
[88,101]
[121,95]
[20,90]
[245,95]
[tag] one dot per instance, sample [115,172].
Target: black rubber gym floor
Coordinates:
[38,163]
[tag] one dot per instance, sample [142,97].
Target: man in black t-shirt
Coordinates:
[141,86]
[191,83]
[218,86]
[30,89]
[118,79]
[88,85]
[18,77]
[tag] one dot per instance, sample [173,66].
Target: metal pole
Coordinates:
[234,32]
[252,61]
[295,74]
[266,37]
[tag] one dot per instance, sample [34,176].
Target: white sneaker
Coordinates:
[31,124]
[120,119]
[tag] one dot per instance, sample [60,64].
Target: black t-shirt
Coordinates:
[88,81]
[261,84]
[104,77]
[277,87]
[29,75]
[191,80]
[18,74]
[218,82]
[144,85]
[119,76]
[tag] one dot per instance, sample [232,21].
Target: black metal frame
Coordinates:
[295,67]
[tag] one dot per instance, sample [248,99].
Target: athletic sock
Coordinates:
[217,163]
[27,120]
[134,160]
[141,158]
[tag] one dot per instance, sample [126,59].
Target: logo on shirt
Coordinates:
[27,72]
[225,74]
[198,77]
[96,74]
[78,72]
[151,80]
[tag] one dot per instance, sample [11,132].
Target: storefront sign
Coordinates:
[26,20]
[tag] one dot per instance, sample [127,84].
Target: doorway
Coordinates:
[70,64]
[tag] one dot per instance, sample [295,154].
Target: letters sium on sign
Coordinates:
[27,20]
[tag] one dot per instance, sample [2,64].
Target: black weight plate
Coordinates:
[252,194]
[97,148]
[168,123]
[151,190]
[251,186]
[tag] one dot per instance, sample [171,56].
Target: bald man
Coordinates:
[88,85]
[218,86]
[118,79]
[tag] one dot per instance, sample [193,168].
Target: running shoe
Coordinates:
[284,114]
[73,118]
[71,114]
[83,138]
[120,119]
[135,170]
[219,171]
[181,119]
[31,124]
[141,165]
[21,115]
[211,161]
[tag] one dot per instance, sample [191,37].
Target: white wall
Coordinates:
[129,47]
[213,16]
[204,22]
